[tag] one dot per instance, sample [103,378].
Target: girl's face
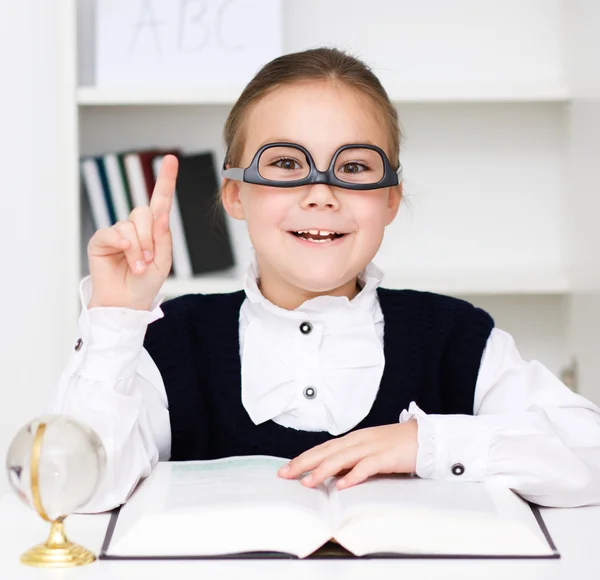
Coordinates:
[322,117]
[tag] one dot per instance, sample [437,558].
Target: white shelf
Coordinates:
[189,96]
[206,284]
[479,92]
[483,281]
[411,93]
[477,282]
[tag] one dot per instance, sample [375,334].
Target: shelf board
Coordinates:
[482,281]
[205,284]
[411,93]
[454,282]
[504,92]
[93,96]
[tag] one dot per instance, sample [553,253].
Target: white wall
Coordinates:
[37,290]
[457,41]
[581,200]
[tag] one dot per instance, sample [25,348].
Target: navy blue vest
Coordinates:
[432,344]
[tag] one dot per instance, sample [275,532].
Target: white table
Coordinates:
[576,533]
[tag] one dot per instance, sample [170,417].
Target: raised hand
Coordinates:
[130,261]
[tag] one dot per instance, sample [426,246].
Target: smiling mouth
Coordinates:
[318,236]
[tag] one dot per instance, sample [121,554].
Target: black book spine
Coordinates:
[205,228]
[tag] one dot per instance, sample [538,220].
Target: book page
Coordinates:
[407,492]
[229,505]
[239,482]
[407,514]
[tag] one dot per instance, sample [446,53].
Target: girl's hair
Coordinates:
[319,64]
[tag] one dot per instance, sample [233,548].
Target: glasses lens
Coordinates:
[283,164]
[359,165]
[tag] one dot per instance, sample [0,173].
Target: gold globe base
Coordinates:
[57,552]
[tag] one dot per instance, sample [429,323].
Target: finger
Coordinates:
[133,254]
[163,244]
[310,459]
[107,241]
[331,466]
[142,219]
[365,468]
[164,190]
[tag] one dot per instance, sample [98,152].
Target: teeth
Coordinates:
[322,233]
[316,232]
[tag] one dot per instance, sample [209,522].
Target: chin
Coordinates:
[319,281]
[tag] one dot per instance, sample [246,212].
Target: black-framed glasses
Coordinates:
[354,166]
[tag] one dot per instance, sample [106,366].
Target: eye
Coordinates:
[287,163]
[353,167]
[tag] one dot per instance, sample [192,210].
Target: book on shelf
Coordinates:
[95,190]
[139,166]
[239,507]
[116,182]
[117,185]
[205,228]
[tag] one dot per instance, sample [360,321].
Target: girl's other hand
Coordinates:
[385,449]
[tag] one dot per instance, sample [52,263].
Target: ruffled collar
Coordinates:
[321,306]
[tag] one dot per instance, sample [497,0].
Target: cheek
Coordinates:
[264,208]
[370,211]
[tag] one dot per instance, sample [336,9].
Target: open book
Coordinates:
[240,507]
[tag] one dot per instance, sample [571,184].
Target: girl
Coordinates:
[313,360]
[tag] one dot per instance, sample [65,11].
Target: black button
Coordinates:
[310,392]
[458,469]
[78,344]
[306,327]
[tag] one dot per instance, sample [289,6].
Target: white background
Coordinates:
[495,184]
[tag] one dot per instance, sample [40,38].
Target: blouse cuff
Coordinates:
[451,447]
[110,339]
[115,317]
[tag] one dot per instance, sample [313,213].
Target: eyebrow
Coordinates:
[287,140]
[280,140]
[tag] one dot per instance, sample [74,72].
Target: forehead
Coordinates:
[322,116]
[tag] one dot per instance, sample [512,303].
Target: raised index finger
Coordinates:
[162,196]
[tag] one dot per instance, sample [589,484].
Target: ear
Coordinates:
[230,196]
[394,199]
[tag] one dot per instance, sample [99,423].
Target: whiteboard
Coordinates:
[184,43]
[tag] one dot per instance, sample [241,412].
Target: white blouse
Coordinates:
[340,357]
[528,431]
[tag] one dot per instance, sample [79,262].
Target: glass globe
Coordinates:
[71,462]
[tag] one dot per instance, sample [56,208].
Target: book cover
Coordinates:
[205,228]
[106,189]
[116,186]
[92,185]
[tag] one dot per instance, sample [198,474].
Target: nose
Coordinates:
[320,196]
